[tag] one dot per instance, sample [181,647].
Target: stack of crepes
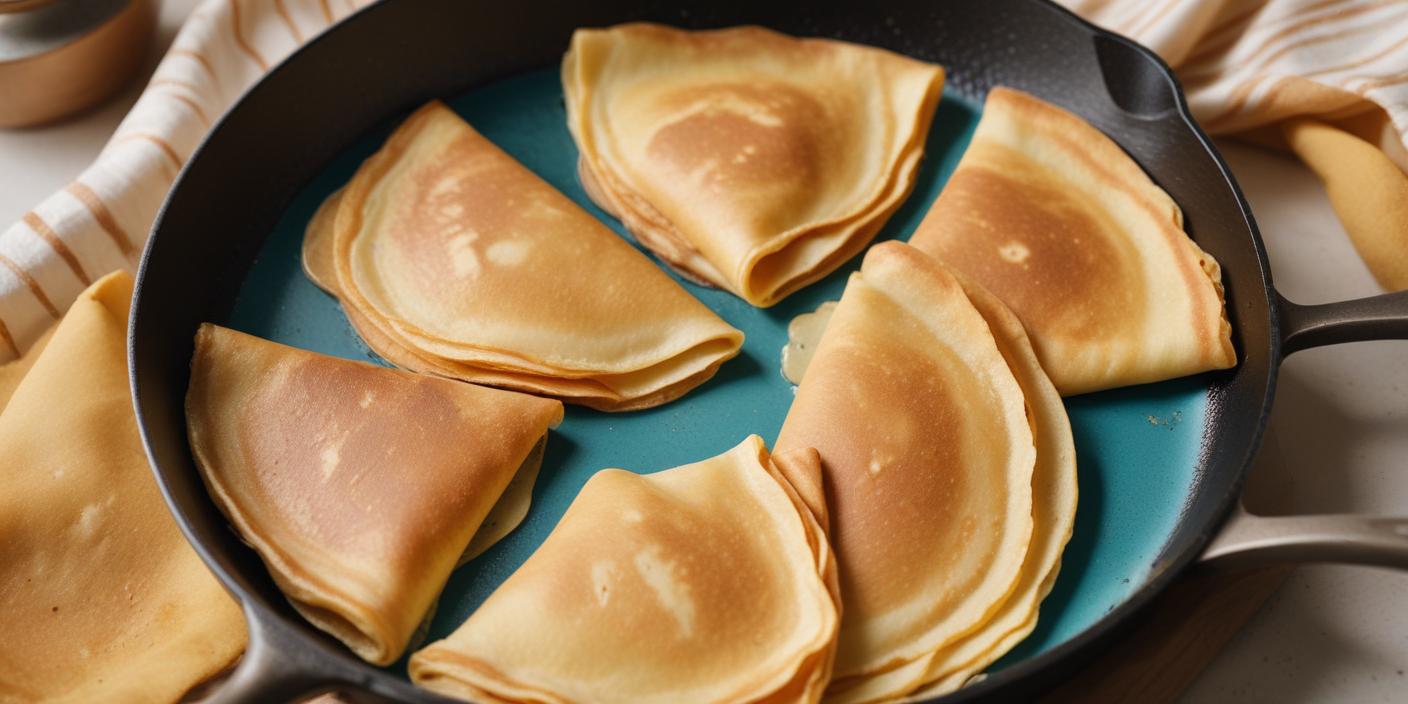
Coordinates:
[711,582]
[451,258]
[949,470]
[747,159]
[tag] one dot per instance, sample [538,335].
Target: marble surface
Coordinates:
[1338,440]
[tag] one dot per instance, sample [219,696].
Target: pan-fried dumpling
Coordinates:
[746,158]
[1054,494]
[452,258]
[360,486]
[927,456]
[101,597]
[1054,218]
[707,582]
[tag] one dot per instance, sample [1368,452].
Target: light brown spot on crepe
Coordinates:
[603,581]
[666,582]
[463,258]
[509,252]
[1014,252]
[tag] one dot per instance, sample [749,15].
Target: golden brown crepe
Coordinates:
[103,599]
[1055,219]
[708,582]
[1054,495]
[451,258]
[928,460]
[360,486]
[746,158]
[317,257]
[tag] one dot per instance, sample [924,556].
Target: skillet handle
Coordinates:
[276,667]
[1248,540]
[1383,317]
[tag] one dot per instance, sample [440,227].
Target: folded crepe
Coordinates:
[1054,218]
[708,582]
[103,598]
[361,487]
[745,158]
[928,461]
[1054,498]
[451,258]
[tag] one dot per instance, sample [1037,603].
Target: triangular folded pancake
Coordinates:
[707,582]
[103,598]
[1055,219]
[1054,495]
[928,459]
[360,486]
[745,158]
[452,258]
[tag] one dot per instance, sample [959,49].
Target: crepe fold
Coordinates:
[711,582]
[360,486]
[451,258]
[949,469]
[1054,218]
[747,159]
[103,598]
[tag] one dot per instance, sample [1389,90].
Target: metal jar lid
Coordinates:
[58,57]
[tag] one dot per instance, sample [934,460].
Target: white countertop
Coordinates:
[1338,440]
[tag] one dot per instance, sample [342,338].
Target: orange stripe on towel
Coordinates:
[199,58]
[99,210]
[33,285]
[165,146]
[9,341]
[288,20]
[239,37]
[50,237]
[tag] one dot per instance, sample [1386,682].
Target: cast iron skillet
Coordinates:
[395,55]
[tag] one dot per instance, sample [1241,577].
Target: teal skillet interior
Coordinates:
[1137,448]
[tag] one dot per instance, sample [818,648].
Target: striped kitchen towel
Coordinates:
[99,223]
[1326,79]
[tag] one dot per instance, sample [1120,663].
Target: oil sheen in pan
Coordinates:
[1137,447]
